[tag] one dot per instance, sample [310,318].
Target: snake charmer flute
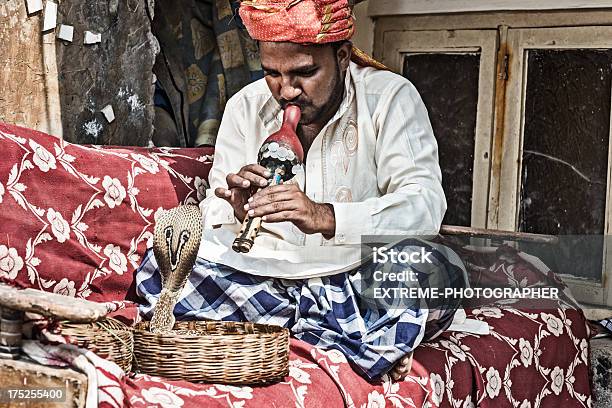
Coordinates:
[282,154]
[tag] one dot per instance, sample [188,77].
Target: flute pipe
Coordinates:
[250,226]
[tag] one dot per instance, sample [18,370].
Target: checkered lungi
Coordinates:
[332,312]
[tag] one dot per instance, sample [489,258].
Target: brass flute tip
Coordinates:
[242,245]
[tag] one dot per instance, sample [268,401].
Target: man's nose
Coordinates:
[289,91]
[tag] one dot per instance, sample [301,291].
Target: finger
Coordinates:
[236,181]
[273,208]
[228,195]
[266,199]
[257,169]
[257,175]
[253,180]
[278,189]
[223,193]
[282,216]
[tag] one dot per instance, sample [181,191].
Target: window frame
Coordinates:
[398,44]
[520,41]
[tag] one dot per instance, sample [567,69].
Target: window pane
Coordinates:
[565,148]
[448,84]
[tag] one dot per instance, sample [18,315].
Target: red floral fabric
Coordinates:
[77,219]
[530,359]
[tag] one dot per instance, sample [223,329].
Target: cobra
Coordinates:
[176,240]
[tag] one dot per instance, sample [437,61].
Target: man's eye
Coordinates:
[272,74]
[308,73]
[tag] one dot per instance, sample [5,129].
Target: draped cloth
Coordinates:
[206,57]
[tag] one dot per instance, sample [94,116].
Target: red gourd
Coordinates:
[283,149]
[282,154]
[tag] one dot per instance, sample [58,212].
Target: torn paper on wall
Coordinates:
[34,6]
[50,20]
[66,32]
[92,38]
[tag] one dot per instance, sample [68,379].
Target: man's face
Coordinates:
[306,76]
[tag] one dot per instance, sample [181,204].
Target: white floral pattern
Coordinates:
[335,356]
[468,402]
[65,287]
[59,226]
[116,260]
[201,185]
[1,192]
[493,312]
[584,351]
[147,163]
[557,380]
[10,262]
[42,158]
[237,392]
[553,324]
[454,348]
[376,400]
[299,375]
[494,383]
[158,213]
[114,191]
[148,238]
[437,388]
[526,352]
[162,398]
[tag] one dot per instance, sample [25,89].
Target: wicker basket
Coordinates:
[213,351]
[108,338]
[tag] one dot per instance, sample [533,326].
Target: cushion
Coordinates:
[77,219]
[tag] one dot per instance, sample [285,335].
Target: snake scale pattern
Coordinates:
[176,241]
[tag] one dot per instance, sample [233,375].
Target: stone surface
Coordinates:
[60,88]
[117,71]
[601,367]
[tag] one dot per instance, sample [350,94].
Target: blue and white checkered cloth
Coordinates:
[334,312]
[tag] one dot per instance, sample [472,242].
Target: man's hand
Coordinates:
[286,202]
[243,185]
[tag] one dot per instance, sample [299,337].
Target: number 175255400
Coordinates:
[32,394]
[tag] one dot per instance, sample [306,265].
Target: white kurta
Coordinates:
[376,162]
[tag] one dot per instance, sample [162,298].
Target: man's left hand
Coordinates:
[286,202]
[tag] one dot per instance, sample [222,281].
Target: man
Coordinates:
[371,168]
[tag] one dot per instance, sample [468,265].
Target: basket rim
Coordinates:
[122,327]
[141,330]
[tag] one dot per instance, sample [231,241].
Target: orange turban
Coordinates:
[298,21]
[303,22]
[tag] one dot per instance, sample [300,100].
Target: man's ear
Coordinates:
[343,54]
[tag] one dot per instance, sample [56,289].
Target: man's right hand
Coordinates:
[242,186]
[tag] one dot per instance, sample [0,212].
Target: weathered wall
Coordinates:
[29,94]
[364,33]
[61,88]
